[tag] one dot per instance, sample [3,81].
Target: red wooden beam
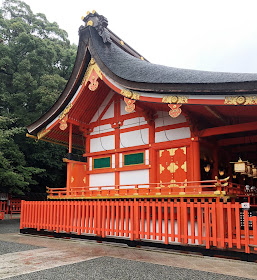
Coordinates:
[238,140]
[228,129]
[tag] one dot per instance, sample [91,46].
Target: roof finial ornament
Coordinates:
[100,23]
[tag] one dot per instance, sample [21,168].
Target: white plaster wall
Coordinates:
[101,108]
[90,164]
[120,160]
[147,157]
[134,177]
[133,138]
[102,179]
[172,134]
[164,119]
[106,143]
[134,122]
[109,113]
[102,129]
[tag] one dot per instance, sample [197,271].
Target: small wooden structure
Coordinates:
[156,148]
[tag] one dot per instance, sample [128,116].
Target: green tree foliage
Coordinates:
[36,60]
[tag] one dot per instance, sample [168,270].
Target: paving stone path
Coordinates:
[34,257]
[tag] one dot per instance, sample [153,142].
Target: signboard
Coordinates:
[245,205]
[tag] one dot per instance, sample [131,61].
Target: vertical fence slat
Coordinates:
[127,217]
[148,219]
[154,218]
[179,220]
[207,225]
[117,227]
[246,231]
[172,221]
[122,217]
[199,223]
[166,223]
[229,223]
[103,218]
[131,219]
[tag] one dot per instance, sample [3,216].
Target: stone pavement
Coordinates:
[34,257]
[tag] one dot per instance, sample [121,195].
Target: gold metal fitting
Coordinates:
[90,23]
[122,43]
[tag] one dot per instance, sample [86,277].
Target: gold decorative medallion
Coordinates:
[240,100]
[63,123]
[130,106]
[92,74]
[175,99]
[175,110]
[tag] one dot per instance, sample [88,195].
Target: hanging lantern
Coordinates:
[254,170]
[221,171]
[240,166]
[249,169]
[207,168]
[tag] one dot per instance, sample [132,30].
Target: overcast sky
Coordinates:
[210,35]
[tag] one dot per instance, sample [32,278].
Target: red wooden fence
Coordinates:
[172,221]
[3,207]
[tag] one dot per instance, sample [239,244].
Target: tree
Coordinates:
[36,60]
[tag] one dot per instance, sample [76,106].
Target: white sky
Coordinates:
[210,35]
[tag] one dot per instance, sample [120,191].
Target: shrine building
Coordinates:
[141,132]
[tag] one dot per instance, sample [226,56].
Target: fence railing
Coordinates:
[218,187]
[3,207]
[171,221]
[13,207]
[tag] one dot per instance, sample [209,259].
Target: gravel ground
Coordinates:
[11,247]
[10,226]
[113,268]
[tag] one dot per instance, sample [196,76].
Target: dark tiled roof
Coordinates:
[133,69]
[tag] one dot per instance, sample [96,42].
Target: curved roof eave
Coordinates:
[123,65]
[81,63]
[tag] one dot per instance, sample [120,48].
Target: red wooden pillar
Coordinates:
[196,159]
[152,153]
[117,139]
[68,183]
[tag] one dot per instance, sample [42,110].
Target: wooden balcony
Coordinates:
[194,189]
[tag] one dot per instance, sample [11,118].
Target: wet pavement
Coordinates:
[39,257]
